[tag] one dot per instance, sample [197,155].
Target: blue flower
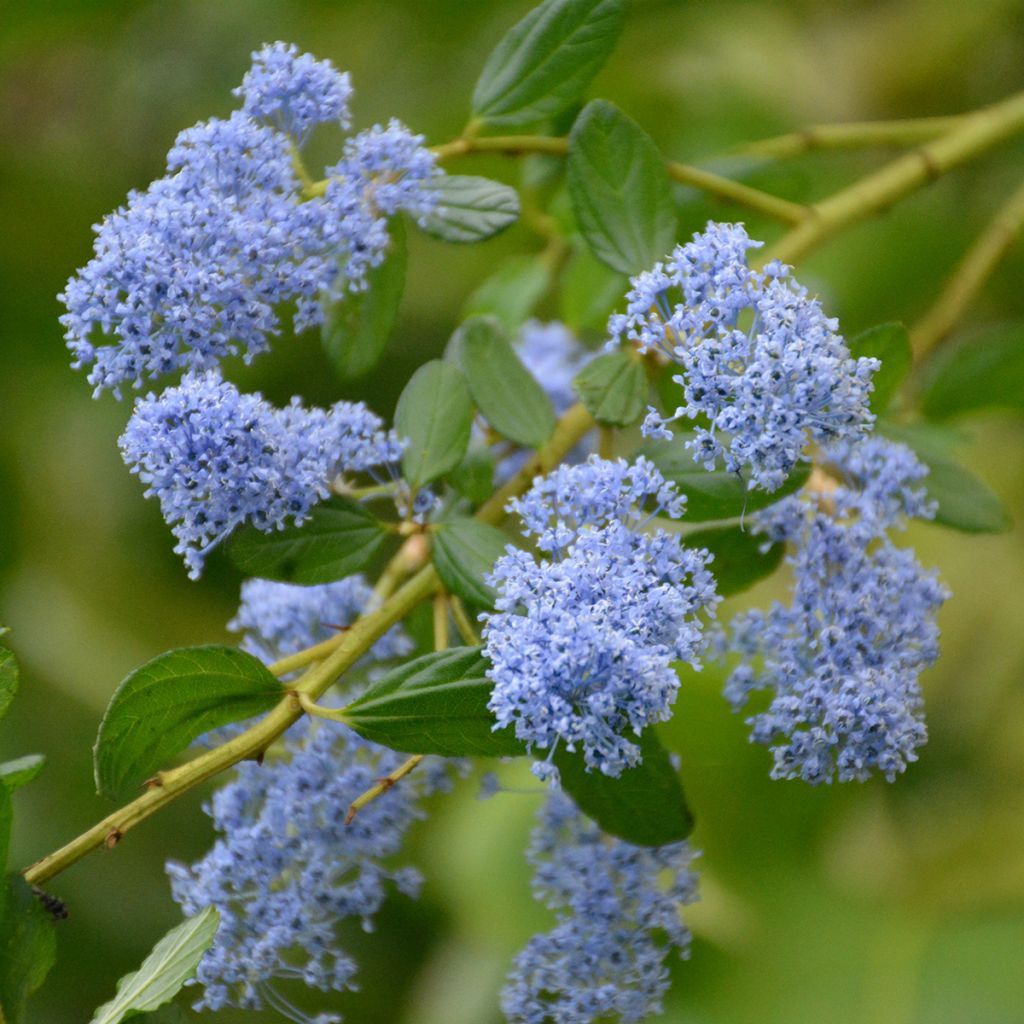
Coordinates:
[581,645]
[293,91]
[618,917]
[842,661]
[215,458]
[287,868]
[194,268]
[763,367]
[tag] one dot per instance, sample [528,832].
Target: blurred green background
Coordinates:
[886,904]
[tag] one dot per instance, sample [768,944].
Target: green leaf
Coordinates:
[619,190]
[718,494]
[511,292]
[889,343]
[982,373]
[613,388]
[172,962]
[28,947]
[964,502]
[357,327]
[645,805]
[465,550]
[591,292]
[435,415]
[161,707]
[339,538]
[8,675]
[22,770]
[474,477]
[436,704]
[470,209]
[738,562]
[546,60]
[6,821]
[505,392]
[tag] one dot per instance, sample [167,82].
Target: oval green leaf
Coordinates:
[465,551]
[739,561]
[982,373]
[22,770]
[510,293]
[435,415]
[8,675]
[172,962]
[645,805]
[718,494]
[357,327]
[436,704]
[504,391]
[546,60]
[619,189]
[613,388]
[469,209]
[161,707]
[28,947]
[890,344]
[338,539]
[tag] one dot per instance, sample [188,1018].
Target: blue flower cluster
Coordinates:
[193,269]
[582,643]
[287,867]
[764,371]
[215,458]
[618,916]
[294,92]
[278,619]
[842,660]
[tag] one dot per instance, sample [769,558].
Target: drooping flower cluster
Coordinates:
[618,917]
[764,371]
[215,458]
[843,659]
[192,269]
[582,642]
[278,619]
[287,867]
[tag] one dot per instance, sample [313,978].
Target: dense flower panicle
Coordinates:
[618,916]
[762,365]
[215,458]
[843,659]
[278,619]
[554,355]
[287,869]
[294,91]
[597,493]
[581,646]
[194,268]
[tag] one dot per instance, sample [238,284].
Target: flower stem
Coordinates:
[971,135]
[713,184]
[851,135]
[970,275]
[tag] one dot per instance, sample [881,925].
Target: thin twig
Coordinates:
[970,275]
